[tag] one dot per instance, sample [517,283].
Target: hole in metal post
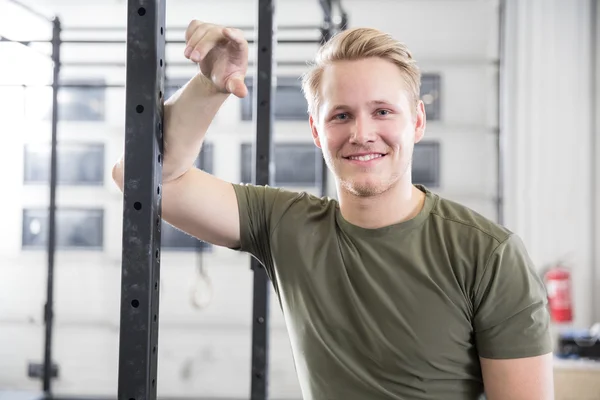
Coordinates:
[159,158]
[154,350]
[161,30]
[141,11]
[264,49]
[156,254]
[153,382]
[158,190]
[160,94]
[154,317]
[155,285]
[135,303]
[139,109]
[161,62]
[137,205]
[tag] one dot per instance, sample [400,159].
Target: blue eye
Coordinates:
[340,116]
[383,112]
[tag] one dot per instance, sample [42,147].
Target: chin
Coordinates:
[365,188]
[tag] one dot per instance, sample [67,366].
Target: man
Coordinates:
[389,292]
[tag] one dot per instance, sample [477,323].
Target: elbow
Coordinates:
[117,174]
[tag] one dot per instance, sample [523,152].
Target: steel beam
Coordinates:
[263,110]
[138,339]
[51,245]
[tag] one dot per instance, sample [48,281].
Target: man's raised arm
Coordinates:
[192,200]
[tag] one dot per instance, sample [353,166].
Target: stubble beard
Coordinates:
[375,187]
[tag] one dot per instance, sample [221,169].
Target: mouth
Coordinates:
[365,158]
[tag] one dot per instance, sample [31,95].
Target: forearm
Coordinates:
[187,116]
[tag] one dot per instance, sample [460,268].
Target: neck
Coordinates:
[399,203]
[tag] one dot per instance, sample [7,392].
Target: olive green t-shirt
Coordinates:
[400,312]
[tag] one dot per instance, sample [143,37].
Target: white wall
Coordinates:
[207,352]
[549,139]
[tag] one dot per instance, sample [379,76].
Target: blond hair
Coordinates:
[357,44]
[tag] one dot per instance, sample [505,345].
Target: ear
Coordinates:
[314,131]
[420,121]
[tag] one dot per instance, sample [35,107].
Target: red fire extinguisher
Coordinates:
[558,287]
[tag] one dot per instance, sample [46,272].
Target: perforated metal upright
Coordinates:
[138,344]
[263,111]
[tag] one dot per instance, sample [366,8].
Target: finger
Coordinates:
[206,43]
[195,40]
[235,35]
[236,86]
[192,26]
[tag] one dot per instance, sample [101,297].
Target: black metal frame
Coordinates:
[140,273]
[264,93]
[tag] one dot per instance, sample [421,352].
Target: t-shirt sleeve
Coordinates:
[511,319]
[260,209]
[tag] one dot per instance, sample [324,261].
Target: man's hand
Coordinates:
[221,53]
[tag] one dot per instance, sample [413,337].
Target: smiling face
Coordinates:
[367,125]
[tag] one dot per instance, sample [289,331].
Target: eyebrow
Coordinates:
[371,103]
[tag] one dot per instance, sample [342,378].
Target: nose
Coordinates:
[363,131]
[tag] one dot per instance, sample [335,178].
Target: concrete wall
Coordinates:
[206,352]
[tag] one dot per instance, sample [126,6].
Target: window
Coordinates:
[205,159]
[296,164]
[74,103]
[77,164]
[426,164]
[430,94]
[174,239]
[75,229]
[172,86]
[289,103]
[171,237]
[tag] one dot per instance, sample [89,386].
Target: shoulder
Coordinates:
[452,216]
[280,202]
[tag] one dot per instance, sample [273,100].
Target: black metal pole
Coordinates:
[121,41]
[183,28]
[49,307]
[140,273]
[326,34]
[263,110]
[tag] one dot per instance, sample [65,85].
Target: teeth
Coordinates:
[366,158]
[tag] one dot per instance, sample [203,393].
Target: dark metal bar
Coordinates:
[23,42]
[32,11]
[327,32]
[169,64]
[263,110]
[140,273]
[183,28]
[327,9]
[49,308]
[500,114]
[120,41]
